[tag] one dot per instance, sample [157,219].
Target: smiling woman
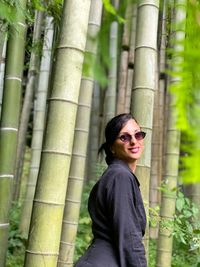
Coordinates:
[115,203]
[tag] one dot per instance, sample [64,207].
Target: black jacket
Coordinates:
[118,218]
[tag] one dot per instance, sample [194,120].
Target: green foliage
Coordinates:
[186,224]
[111,9]
[16,243]
[84,235]
[110,14]
[186,63]
[7,12]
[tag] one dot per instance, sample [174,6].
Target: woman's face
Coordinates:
[128,150]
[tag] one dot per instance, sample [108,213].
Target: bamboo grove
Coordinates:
[66,68]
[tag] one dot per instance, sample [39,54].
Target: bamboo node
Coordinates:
[67,243]
[4,225]
[42,253]
[62,100]
[55,152]
[68,222]
[9,129]
[7,77]
[81,130]
[7,176]
[66,263]
[76,178]
[48,202]
[73,201]
[146,47]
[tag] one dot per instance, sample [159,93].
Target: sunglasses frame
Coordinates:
[128,137]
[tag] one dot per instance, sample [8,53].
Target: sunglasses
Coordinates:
[126,137]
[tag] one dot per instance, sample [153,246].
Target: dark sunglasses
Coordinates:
[126,137]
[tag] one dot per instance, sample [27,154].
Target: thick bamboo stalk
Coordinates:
[9,123]
[133,36]
[38,126]
[127,26]
[111,91]
[165,240]
[129,85]
[2,71]
[158,120]
[144,86]
[94,134]
[76,175]
[28,99]
[48,206]
[123,73]
[3,37]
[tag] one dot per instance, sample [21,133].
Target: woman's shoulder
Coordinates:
[117,171]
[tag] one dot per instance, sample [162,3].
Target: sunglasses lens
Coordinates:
[140,135]
[125,137]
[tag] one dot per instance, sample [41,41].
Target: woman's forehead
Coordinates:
[130,126]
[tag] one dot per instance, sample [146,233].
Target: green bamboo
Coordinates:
[111,91]
[48,205]
[9,122]
[127,26]
[133,36]
[144,86]
[28,99]
[123,73]
[3,34]
[94,135]
[158,120]
[123,65]
[168,201]
[129,83]
[2,71]
[38,126]
[76,175]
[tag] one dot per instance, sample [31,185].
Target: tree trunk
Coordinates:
[123,74]
[123,67]
[131,55]
[28,100]
[2,71]
[94,134]
[157,138]
[165,239]
[48,207]
[110,97]
[76,175]
[9,123]
[38,126]
[144,87]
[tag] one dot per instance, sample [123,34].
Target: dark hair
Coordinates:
[112,130]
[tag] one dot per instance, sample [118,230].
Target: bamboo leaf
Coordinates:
[110,9]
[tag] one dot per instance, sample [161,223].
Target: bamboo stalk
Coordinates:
[165,240]
[2,71]
[76,175]
[27,103]
[144,87]
[38,126]
[9,122]
[48,206]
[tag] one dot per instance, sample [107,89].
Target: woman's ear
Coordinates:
[112,150]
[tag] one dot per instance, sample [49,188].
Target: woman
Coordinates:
[115,204]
